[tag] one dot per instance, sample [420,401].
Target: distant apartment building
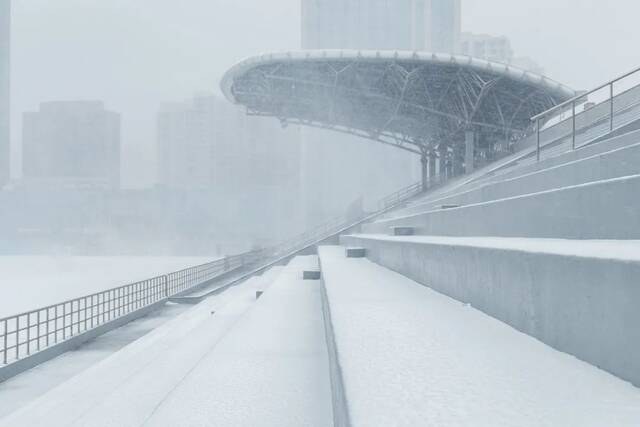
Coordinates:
[73,145]
[207,143]
[249,164]
[437,25]
[485,46]
[432,25]
[5,114]
[497,49]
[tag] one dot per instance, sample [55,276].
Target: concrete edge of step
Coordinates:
[341,413]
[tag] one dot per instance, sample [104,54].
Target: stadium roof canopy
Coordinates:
[408,99]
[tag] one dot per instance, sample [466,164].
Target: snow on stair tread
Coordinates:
[411,356]
[270,370]
[621,250]
[116,381]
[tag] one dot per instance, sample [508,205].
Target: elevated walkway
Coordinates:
[410,356]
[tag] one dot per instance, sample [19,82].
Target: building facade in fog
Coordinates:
[342,171]
[485,46]
[5,70]
[71,144]
[431,25]
[208,144]
[437,25]
[495,48]
[248,166]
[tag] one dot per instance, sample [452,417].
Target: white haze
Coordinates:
[135,55]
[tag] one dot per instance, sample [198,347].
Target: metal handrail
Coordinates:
[573,102]
[27,333]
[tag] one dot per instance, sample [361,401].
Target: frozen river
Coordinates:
[29,282]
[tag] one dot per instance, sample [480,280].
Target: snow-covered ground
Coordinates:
[30,282]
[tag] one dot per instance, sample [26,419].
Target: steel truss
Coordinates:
[418,106]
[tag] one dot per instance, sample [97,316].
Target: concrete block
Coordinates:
[403,231]
[311,275]
[355,252]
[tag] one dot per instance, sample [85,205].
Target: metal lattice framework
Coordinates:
[406,99]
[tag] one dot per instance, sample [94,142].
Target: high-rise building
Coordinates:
[437,25]
[342,170]
[71,144]
[5,70]
[206,143]
[250,164]
[485,46]
[497,49]
[432,25]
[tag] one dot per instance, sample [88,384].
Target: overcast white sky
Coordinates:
[135,54]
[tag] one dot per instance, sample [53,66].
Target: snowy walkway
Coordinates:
[271,370]
[413,357]
[125,389]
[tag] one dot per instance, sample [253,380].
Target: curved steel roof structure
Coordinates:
[408,99]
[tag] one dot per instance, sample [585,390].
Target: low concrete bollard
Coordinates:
[356,252]
[403,231]
[311,275]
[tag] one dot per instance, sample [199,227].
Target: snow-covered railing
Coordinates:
[28,333]
[345,222]
[601,107]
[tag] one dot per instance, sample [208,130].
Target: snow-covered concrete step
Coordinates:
[410,356]
[488,175]
[125,388]
[271,369]
[530,166]
[612,164]
[605,209]
[581,297]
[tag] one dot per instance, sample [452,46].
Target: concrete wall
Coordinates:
[602,210]
[583,306]
[618,163]
[569,156]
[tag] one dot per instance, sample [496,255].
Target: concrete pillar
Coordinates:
[469,156]
[432,169]
[424,163]
[442,165]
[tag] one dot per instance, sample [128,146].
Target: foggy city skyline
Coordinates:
[135,57]
[319,213]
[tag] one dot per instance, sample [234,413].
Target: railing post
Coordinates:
[573,124]
[611,107]
[166,286]
[538,139]
[5,341]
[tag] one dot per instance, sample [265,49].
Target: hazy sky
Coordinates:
[136,54]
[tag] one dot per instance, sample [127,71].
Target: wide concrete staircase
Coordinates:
[240,358]
[505,298]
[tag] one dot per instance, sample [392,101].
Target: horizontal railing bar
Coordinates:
[582,95]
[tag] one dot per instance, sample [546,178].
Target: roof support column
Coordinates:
[469,156]
[424,163]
